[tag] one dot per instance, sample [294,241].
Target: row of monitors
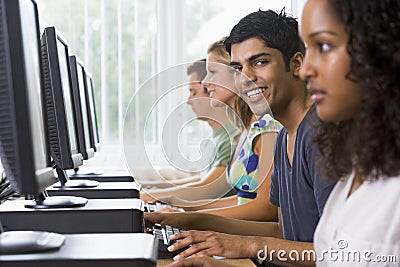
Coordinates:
[47,109]
[70,103]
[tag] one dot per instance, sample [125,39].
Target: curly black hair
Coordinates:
[369,143]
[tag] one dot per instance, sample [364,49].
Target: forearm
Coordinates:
[182,195]
[216,173]
[214,204]
[232,226]
[156,184]
[170,183]
[210,222]
[255,210]
[259,209]
[187,181]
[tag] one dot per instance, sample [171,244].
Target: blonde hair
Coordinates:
[240,108]
[218,50]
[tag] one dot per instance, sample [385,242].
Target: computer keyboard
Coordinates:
[156,206]
[162,234]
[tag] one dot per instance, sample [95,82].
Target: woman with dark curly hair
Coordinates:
[352,66]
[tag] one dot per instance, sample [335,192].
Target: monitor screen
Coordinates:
[63,120]
[92,107]
[80,107]
[82,94]
[66,87]
[23,139]
[33,75]
[59,101]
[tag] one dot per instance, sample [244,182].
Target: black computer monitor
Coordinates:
[78,77]
[91,104]
[23,139]
[25,75]
[60,108]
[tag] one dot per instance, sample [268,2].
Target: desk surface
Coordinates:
[239,262]
[119,249]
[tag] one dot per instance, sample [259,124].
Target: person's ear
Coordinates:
[295,63]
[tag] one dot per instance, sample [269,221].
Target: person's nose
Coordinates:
[189,101]
[206,81]
[247,76]
[307,69]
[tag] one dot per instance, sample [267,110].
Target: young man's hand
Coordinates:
[211,243]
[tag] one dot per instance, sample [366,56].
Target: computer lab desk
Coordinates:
[236,262]
[92,250]
[98,250]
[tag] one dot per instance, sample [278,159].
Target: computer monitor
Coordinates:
[22,135]
[78,77]
[60,108]
[91,104]
[23,139]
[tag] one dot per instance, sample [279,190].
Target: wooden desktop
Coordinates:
[236,262]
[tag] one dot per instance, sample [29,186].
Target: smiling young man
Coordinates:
[267,54]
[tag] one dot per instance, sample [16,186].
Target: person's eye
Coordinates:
[237,68]
[260,62]
[324,47]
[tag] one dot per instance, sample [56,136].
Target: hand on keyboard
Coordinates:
[163,235]
[211,244]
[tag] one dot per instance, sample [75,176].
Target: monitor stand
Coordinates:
[93,172]
[101,175]
[18,242]
[65,182]
[43,201]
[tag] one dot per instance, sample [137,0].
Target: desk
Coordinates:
[93,250]
[238,262]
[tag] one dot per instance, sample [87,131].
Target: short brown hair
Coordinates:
[198,67]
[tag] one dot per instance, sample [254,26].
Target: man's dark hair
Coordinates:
[278,31]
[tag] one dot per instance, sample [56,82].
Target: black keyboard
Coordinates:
[162,234]
[156,206]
